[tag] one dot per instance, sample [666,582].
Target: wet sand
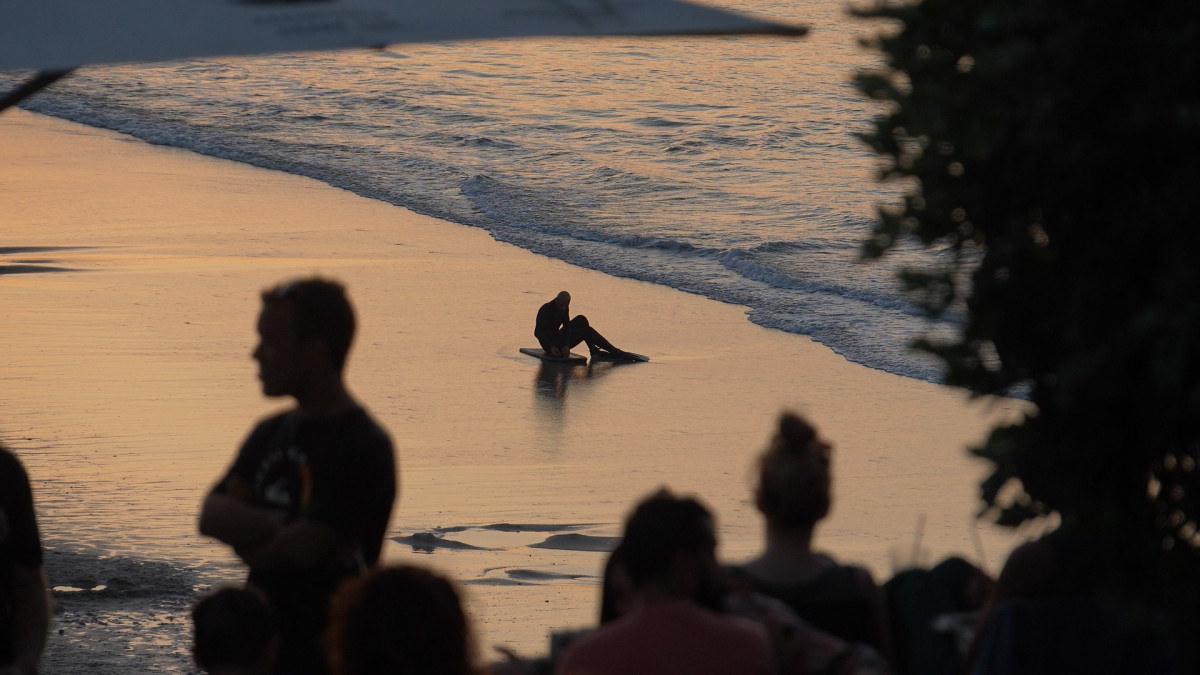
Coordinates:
[129,276]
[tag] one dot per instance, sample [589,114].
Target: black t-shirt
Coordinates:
[20,543]
[339,472]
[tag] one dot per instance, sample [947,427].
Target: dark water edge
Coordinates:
[119,614]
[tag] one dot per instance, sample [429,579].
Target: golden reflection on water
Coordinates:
[558,386]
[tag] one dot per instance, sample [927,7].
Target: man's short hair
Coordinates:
[321,310]
[661,527]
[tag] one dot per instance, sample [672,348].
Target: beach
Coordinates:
[129,282]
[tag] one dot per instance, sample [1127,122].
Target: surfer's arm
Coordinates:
[548,327]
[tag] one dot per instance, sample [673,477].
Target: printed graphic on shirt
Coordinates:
[284,479]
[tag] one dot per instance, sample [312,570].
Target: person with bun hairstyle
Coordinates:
[794,493]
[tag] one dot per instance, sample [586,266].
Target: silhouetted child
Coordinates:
[235,633]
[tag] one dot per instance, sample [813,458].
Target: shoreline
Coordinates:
[129,383]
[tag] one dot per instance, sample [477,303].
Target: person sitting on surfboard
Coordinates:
[558,332]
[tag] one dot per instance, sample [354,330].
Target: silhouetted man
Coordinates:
[24,601]
[677,624]
[558,332]
[308,498]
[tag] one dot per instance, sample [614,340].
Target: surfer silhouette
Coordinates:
[558,332]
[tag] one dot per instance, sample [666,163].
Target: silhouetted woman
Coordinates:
[794,494]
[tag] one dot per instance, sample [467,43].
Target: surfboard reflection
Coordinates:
[553,380]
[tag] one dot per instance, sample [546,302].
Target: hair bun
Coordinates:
[794,482]
[796,433]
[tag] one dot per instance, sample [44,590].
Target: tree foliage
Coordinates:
[1054,149]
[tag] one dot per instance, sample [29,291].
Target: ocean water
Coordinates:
[726,167]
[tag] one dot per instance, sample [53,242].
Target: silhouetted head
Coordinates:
[235,631]
[304,324]
[397,620]
[670,543]
[794,480]
[562,300]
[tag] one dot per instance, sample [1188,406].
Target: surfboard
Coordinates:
[627,356]
[541,354]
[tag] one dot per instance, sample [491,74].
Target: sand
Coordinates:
[129,276]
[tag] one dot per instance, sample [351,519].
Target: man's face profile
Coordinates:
[280,356]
